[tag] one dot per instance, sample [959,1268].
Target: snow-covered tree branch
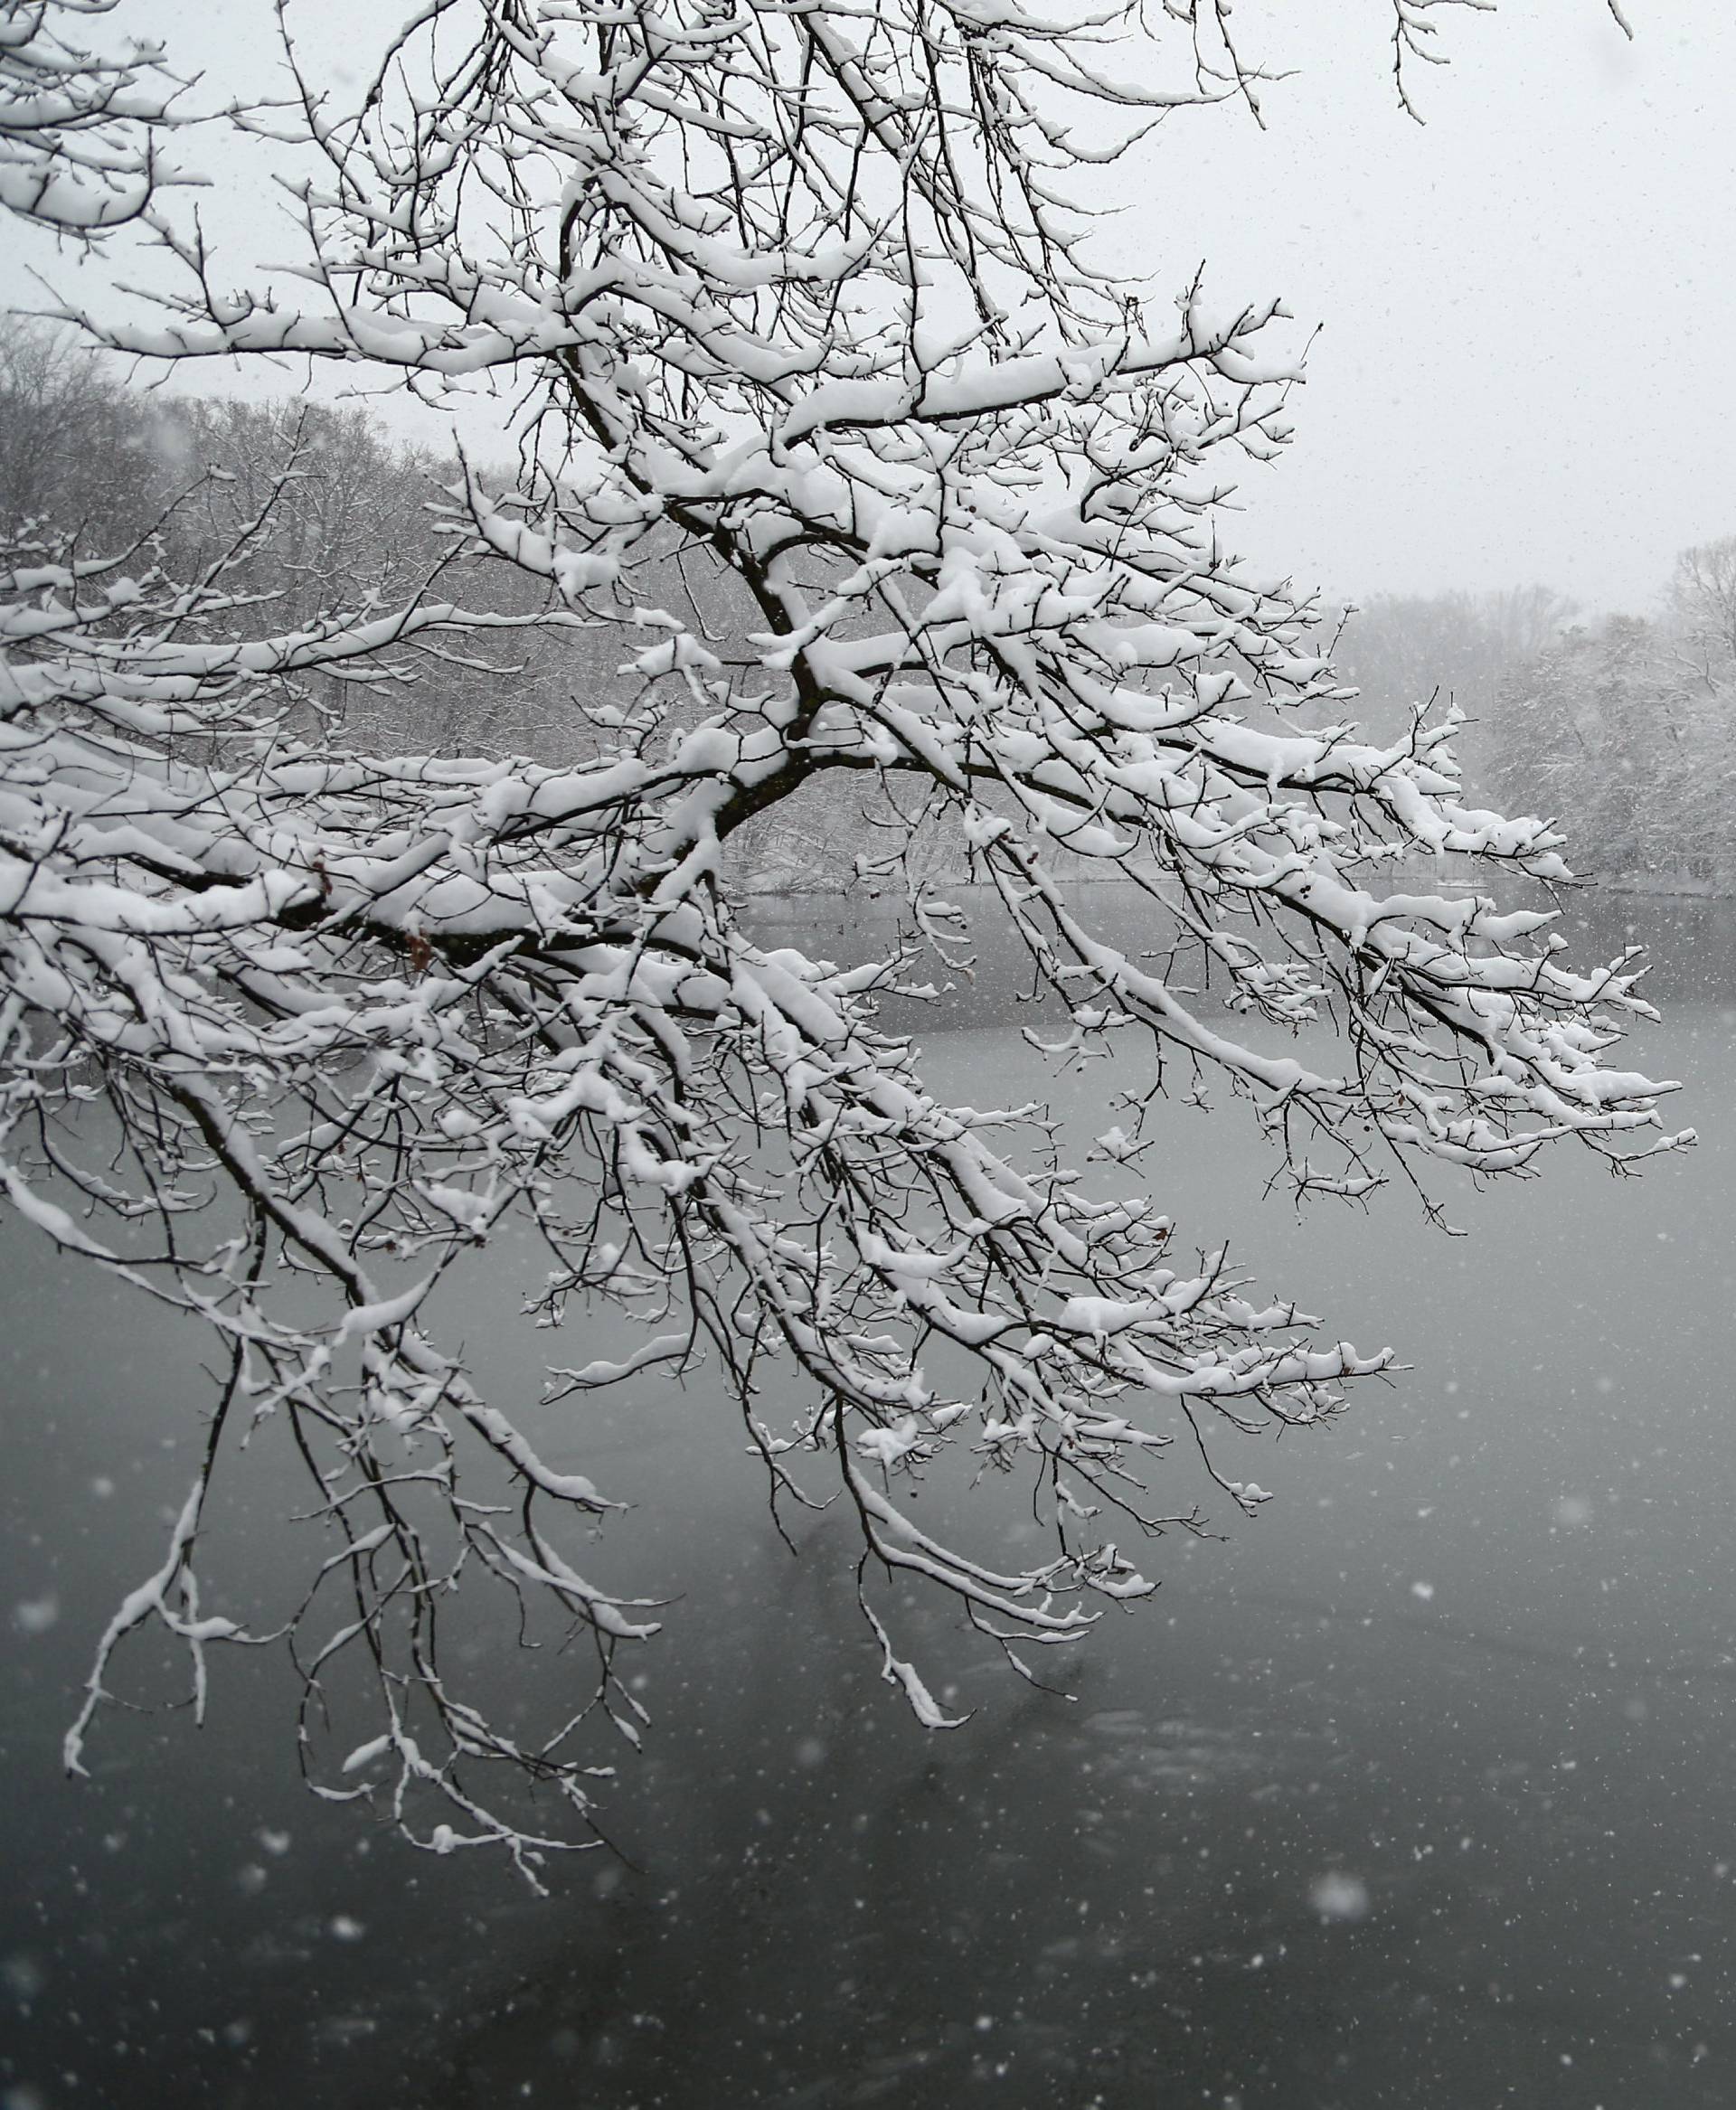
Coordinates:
[79,128]
[799,310]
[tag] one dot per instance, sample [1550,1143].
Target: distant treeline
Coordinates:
[307,509]
[1622,731]
[298,507]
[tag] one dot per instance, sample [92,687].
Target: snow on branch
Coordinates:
[80,129]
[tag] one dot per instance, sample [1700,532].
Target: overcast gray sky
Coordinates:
[1527,303]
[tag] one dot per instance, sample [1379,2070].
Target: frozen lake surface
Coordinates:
[1416,1790]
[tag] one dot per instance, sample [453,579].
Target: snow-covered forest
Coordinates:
[1617,727]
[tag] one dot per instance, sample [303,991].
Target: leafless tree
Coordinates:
[1700,603]
[798,304]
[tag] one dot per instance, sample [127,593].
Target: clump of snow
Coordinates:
[34,1616]
[1339,1896]
[22,1977]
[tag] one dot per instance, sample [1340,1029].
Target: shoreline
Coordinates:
[1639,884]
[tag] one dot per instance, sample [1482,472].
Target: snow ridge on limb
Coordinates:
[803,313]
[80,129]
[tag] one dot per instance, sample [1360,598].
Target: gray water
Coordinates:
[1418,1790]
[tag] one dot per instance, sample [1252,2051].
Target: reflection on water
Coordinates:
[1416,1791]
